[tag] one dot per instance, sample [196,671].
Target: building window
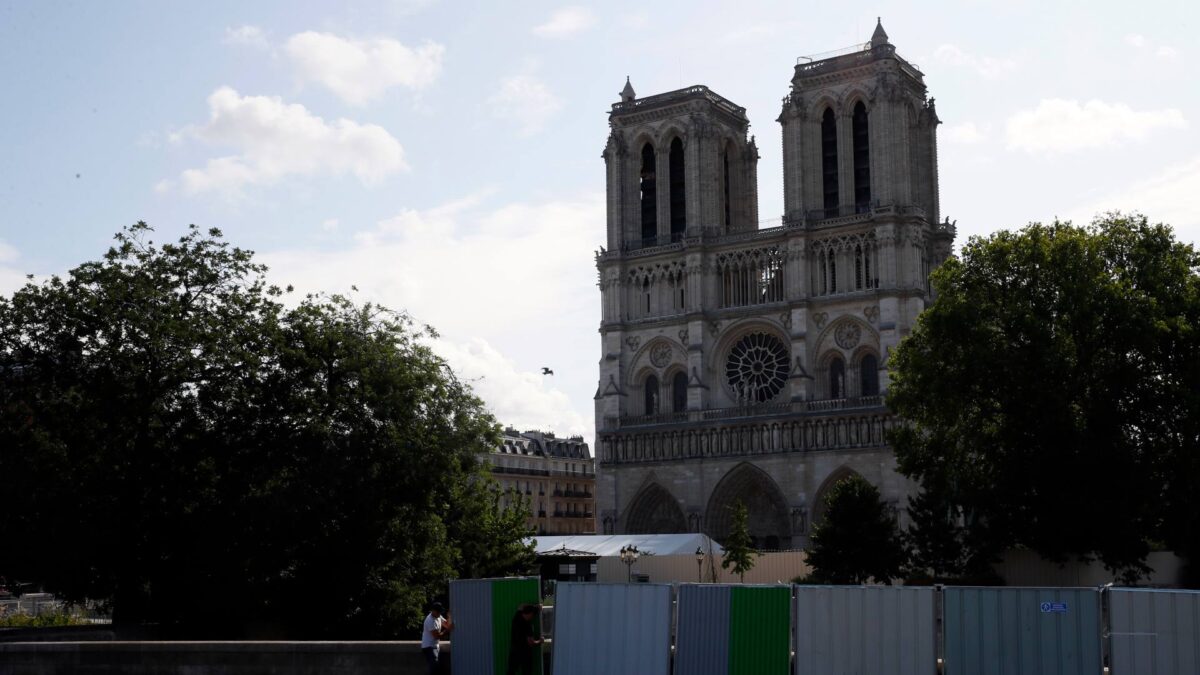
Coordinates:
[651,400]
[757,368]
[862,158]
[832,268]
[869,372]
[858,268]
[648,194]
[725,177]
[679,392]
[837,378]
[829,162]
[678,198]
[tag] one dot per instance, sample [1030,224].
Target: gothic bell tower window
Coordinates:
[649,196]
[829,162]
[678,197]
[862,159]
[757,368]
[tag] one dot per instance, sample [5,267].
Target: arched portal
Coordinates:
[654,511]
[818,510]
[770,526]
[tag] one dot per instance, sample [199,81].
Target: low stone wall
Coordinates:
[216,658]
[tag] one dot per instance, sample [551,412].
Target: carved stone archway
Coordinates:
[654,511]
[770,519]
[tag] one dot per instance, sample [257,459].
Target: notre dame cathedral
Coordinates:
[747,363]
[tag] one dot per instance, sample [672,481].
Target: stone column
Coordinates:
[662,186]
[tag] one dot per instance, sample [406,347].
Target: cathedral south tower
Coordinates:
[747,364]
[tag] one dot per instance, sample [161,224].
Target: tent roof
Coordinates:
[610,544]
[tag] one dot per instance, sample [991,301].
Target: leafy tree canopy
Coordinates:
[205,457]
[1052,394]
[858,540]
[739,546]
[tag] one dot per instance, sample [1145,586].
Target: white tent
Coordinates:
[610,545]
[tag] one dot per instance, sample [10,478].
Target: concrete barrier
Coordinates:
[215,658]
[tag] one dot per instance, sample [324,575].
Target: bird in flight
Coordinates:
[547,371]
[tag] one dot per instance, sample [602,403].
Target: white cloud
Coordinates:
[1169,197]
[249,36]
[274,140]
[330,224]
[504,284]
[966,133]
[11,278]
[8,253]
[566,22]
[1139,41]
[1059,125]
[361,70]
[525,100]
[986,66]
[516,397]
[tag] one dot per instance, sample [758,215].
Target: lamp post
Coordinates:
[629,555]
[699,564]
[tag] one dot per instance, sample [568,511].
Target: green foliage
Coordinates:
[858,540]
[183,436]
[1052,396]
[936,536]
[41,620]
[740,554]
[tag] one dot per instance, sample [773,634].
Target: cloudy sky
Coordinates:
[444,156]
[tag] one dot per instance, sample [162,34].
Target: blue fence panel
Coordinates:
[1021,631]
[702,633]
[1154,632]
[471,610]
[609,629]
[865,630]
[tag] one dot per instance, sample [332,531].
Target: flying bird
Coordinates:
[547,371]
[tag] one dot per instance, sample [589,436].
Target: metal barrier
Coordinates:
[483,611]
[853,630]
[733,629]
[603,629]
[1153,632]
[1022,631]
[730,629]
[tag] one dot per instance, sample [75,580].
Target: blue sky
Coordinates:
[445,156]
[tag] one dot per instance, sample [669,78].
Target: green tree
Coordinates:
[740,554]
[858,540]
[1055,386]
[208,459]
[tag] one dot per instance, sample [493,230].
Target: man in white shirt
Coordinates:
[436,627]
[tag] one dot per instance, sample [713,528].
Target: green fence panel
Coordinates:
[760,630]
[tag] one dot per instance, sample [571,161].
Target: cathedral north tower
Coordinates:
[748,365]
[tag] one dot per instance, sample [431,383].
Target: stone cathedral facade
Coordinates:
[747,363]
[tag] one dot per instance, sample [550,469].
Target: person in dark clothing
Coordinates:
[522,642]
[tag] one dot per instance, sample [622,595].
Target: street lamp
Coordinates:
[629,555]
[699,564]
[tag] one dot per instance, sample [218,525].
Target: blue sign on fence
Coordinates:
[1054,607]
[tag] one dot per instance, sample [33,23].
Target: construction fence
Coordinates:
[731,629]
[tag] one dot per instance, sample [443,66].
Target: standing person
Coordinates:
[435,628]
[522,641]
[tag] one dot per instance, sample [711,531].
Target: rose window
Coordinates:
[757,368]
